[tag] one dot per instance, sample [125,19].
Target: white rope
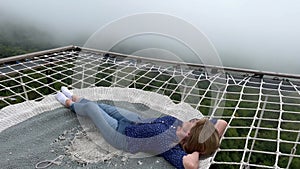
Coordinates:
[215,109]
[48,163]
[279,126]
[293,150]
[257,128]
[27,81]
[233,114]
[15,114]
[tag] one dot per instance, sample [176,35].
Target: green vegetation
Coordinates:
[16,39]
[239,113]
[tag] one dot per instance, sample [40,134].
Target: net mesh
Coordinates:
[262,109]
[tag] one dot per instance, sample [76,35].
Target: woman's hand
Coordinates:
[191,161]
[221,126]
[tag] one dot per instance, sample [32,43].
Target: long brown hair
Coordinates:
[203,138]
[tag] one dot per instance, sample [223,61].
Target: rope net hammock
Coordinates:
[262,108]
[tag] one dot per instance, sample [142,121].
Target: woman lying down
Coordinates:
[180,143]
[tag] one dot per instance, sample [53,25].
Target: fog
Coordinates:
[255,34]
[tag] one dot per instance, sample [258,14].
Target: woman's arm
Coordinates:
[221,126]
[191,161]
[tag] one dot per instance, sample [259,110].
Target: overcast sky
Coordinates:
[256,34]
